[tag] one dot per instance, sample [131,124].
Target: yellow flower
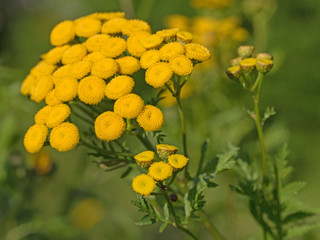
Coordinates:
[165,150]
[128,65]
[134,43]
[66,89]
[152,41]
[74,54]
[93,57]
[42,115]
[61,72]
[62,33]
[35,138]
[177,161]
[28,85]
[181,65]
[248,64]
[91,90]
[108,15]
[149,58]
[54,55]
[197,52]
[109,126]
[42,69]
[42,88]
[135,25]
[96,42]
[143,184]
[113,26]
[129,106]
[184,37]
[114,47]
[168,34]
[64,137]
[51,98]
[160,171]
[80,69]
[104,68]
[144,159]
[158,74]
[57,115]
[87,26]
[151,118]
[171,50]
[119,86]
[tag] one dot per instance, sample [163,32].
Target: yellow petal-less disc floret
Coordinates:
[152,41]
[119,86]
[109,126]
[104,68]
[165,150]
[151,118]
[129,106]
[58,114]
[113,26]
[168,34]
[160,171]
[42,88]
[87,26]
[143,184]
[171,50]
[128,65]
[51,98]
[134,43]
[42,115]
[61,72]
[66,89]
[93,57]
[28,85]
[54,55]
[80,69]
[177,161]
[42,69]
[197,52]
[184,37]
[144,159]
[158,74]
[135,25]
[64,137]
[91,90]
[62,33]
[149,58]
[74,54]
[114,47]
[95,43]
[35,138]
[181,65]
[248,64]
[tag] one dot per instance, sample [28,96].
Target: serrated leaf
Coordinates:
[236,189]
[212,185]
[227,159]
[270,111]
[281,161]
[163,226]
[300,230]
[296,216]
[146,220]
[126,172]
[291,189]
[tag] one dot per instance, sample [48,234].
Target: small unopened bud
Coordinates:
[184,37]
[248,64]
[165,150]
[234,72]
[144,159]
[163,188]
[264,56]
[264,65]
[245,51]
[173,197]
[236,61]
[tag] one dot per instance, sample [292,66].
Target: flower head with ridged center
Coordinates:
[61,72]
[57,115]
[62,33]
[165,150]
[149,58]
[158,74]
[66,89]
[91,90]
[114,47]
[134,43]
[144,159]
[51,98]
[93,57]
[104,68]
[35,138]
[109,126]
[151,118]
[28,85]
[42,115]
[135,25]
[143,184]
[177,161]
[197,52]
[113,26]
[64,137]
[80,69]
[160,171]
[87,26]
[119,86]
[153,41]
[181,65]
[96,42]
[42,88]
[74,54]
[129,106]
[128,65]
[55,54]
[171,50]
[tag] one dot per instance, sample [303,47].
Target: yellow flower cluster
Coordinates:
[145,184]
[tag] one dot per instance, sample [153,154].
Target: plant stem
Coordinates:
[212,229]
[146,142]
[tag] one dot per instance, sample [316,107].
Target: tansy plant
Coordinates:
[87,81]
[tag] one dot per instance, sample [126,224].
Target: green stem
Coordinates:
[172,178]
[212,229]
[146,142]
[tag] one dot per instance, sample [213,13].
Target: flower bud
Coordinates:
[264,56]
[165,150]
[264,65]
[173,197]
[234,72]
[144,159]
[245,51]
[236,61]
[184,37]
[248,64]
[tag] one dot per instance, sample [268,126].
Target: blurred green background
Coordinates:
[77,200]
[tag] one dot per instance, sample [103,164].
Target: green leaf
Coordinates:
[291,189]
[166,212]
[126,172]
[282,162]
[299,215]
[203,153]
[163,226]
[212,184]
[227,159]
[187,207]
[146,220]
[270,111]
[300,230]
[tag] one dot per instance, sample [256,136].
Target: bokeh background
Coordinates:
[65,196]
